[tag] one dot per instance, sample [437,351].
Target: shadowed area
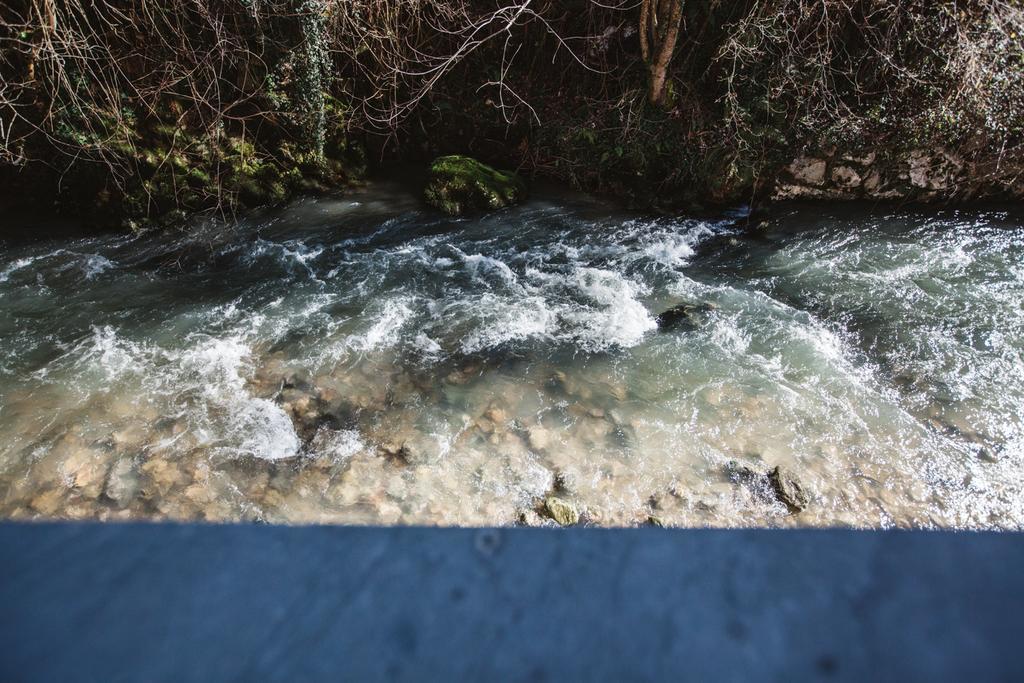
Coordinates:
[181,603]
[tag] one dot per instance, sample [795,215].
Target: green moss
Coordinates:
[460,184]
[179,168]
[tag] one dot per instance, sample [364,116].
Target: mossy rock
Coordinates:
[459,185]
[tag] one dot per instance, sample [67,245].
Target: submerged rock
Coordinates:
[460,185]
[687,314]
[162,474]
[48,502]
[85,469]
[538,438]
[776,485]
[122,482]
[561,511]
[398,453]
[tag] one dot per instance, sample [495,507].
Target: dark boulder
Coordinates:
[787,490]
[687,315]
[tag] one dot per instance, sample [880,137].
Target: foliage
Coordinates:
[136,108]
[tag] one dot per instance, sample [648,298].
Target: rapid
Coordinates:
[362,360]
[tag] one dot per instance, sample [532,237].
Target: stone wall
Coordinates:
[918,175]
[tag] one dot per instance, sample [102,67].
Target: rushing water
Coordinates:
[365,361]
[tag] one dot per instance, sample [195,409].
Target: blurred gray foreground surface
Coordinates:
[139,602]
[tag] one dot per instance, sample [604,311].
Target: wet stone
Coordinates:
[48,503]
[563,512]
[686,315]
[809,170]
[777,485]
[530,518]
[85,470]
[787,490]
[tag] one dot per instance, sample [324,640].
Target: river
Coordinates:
[363,360]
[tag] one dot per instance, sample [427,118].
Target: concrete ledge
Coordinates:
[90,602]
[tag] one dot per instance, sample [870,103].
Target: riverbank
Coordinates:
[134,118]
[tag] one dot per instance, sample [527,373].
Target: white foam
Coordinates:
[96,264]
[426,345]
[729,336]
[115,355]
[218,361]
[6,273]
[215,369]
[264,430]
[479,266]
[671,250]
[289,254]
[385,329]
[506,320]
[596,309]
[205,379]
[339,445]
[617,319]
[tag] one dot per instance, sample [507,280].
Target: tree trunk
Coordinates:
[660,21]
